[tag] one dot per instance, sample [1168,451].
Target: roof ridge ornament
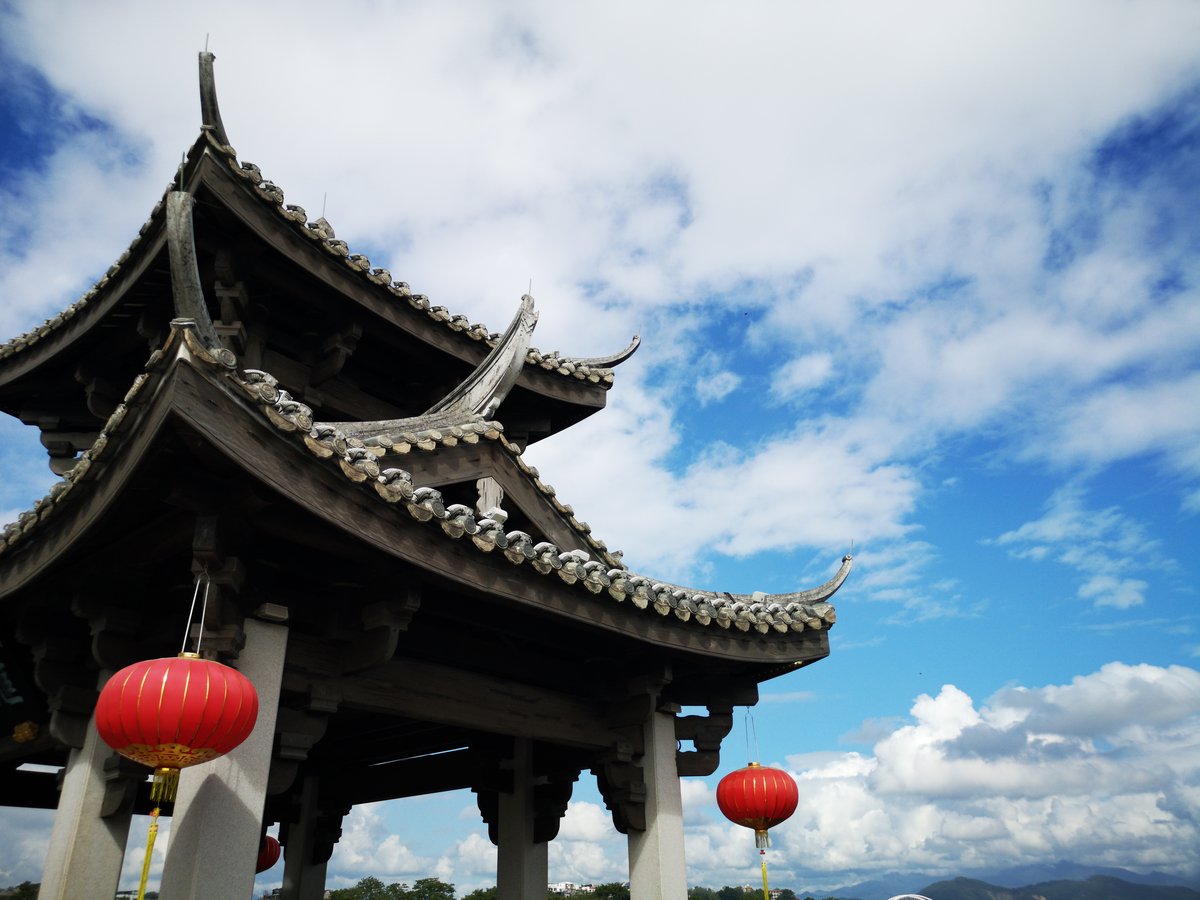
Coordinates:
[608,362]
[186,290]
[210,112]
[482,392]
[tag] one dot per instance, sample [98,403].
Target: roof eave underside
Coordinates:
[210,170]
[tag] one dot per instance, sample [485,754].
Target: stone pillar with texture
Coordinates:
[656,862]
[217,823]
[522,862]
[86,850]
[303,876]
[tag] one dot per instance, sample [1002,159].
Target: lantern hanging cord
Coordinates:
[751,729]
[203,577]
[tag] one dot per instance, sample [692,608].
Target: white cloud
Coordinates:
[717,387]
[472,863]
[802,374]
[588,848]
[367,847]
[1103,546]
[1099,771]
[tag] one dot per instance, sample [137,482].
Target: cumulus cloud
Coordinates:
[366,846]
[588,848]
[1099,771]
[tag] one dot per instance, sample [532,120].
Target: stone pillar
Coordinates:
[217,822]
[522,863]
[303,879]
[86,851]
[656,864]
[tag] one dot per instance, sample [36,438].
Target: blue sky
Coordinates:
[924,280]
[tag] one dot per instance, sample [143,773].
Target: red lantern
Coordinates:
[758,797]
[175,712]
[268,854]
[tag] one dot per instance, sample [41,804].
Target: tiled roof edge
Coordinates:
[759,612]
[762,613]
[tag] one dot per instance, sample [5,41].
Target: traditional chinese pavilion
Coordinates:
[243,399]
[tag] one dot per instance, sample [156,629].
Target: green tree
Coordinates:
[368,888]
[430,889]
[482,894]
[613,890]
[701,893]
[787,894]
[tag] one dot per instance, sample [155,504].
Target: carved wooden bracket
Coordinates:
[62,672]
[335,350]
[114,630]
[296,733]
[706,734]
[62,440]
[122,778]
[326,823]
[623,788]
[223,637]
[550,799]
[551,794]
[383,623]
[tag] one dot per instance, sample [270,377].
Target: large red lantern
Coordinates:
[268,854]
[758,797]
[175,712]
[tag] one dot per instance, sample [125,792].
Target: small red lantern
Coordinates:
[175,712]
[268,854]
[758,797]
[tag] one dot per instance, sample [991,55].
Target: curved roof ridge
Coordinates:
[614,359]
[597,370]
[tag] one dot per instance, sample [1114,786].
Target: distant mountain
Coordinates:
[1098,887]
[1019,876]
[1014,879]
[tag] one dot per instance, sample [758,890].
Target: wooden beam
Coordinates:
[452,771]
[450,696]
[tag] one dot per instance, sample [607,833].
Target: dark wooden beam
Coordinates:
[451,771]
[452,696]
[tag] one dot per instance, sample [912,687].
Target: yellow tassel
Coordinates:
[141,895]
[166,783]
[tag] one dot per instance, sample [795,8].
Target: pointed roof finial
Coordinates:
[210,112]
